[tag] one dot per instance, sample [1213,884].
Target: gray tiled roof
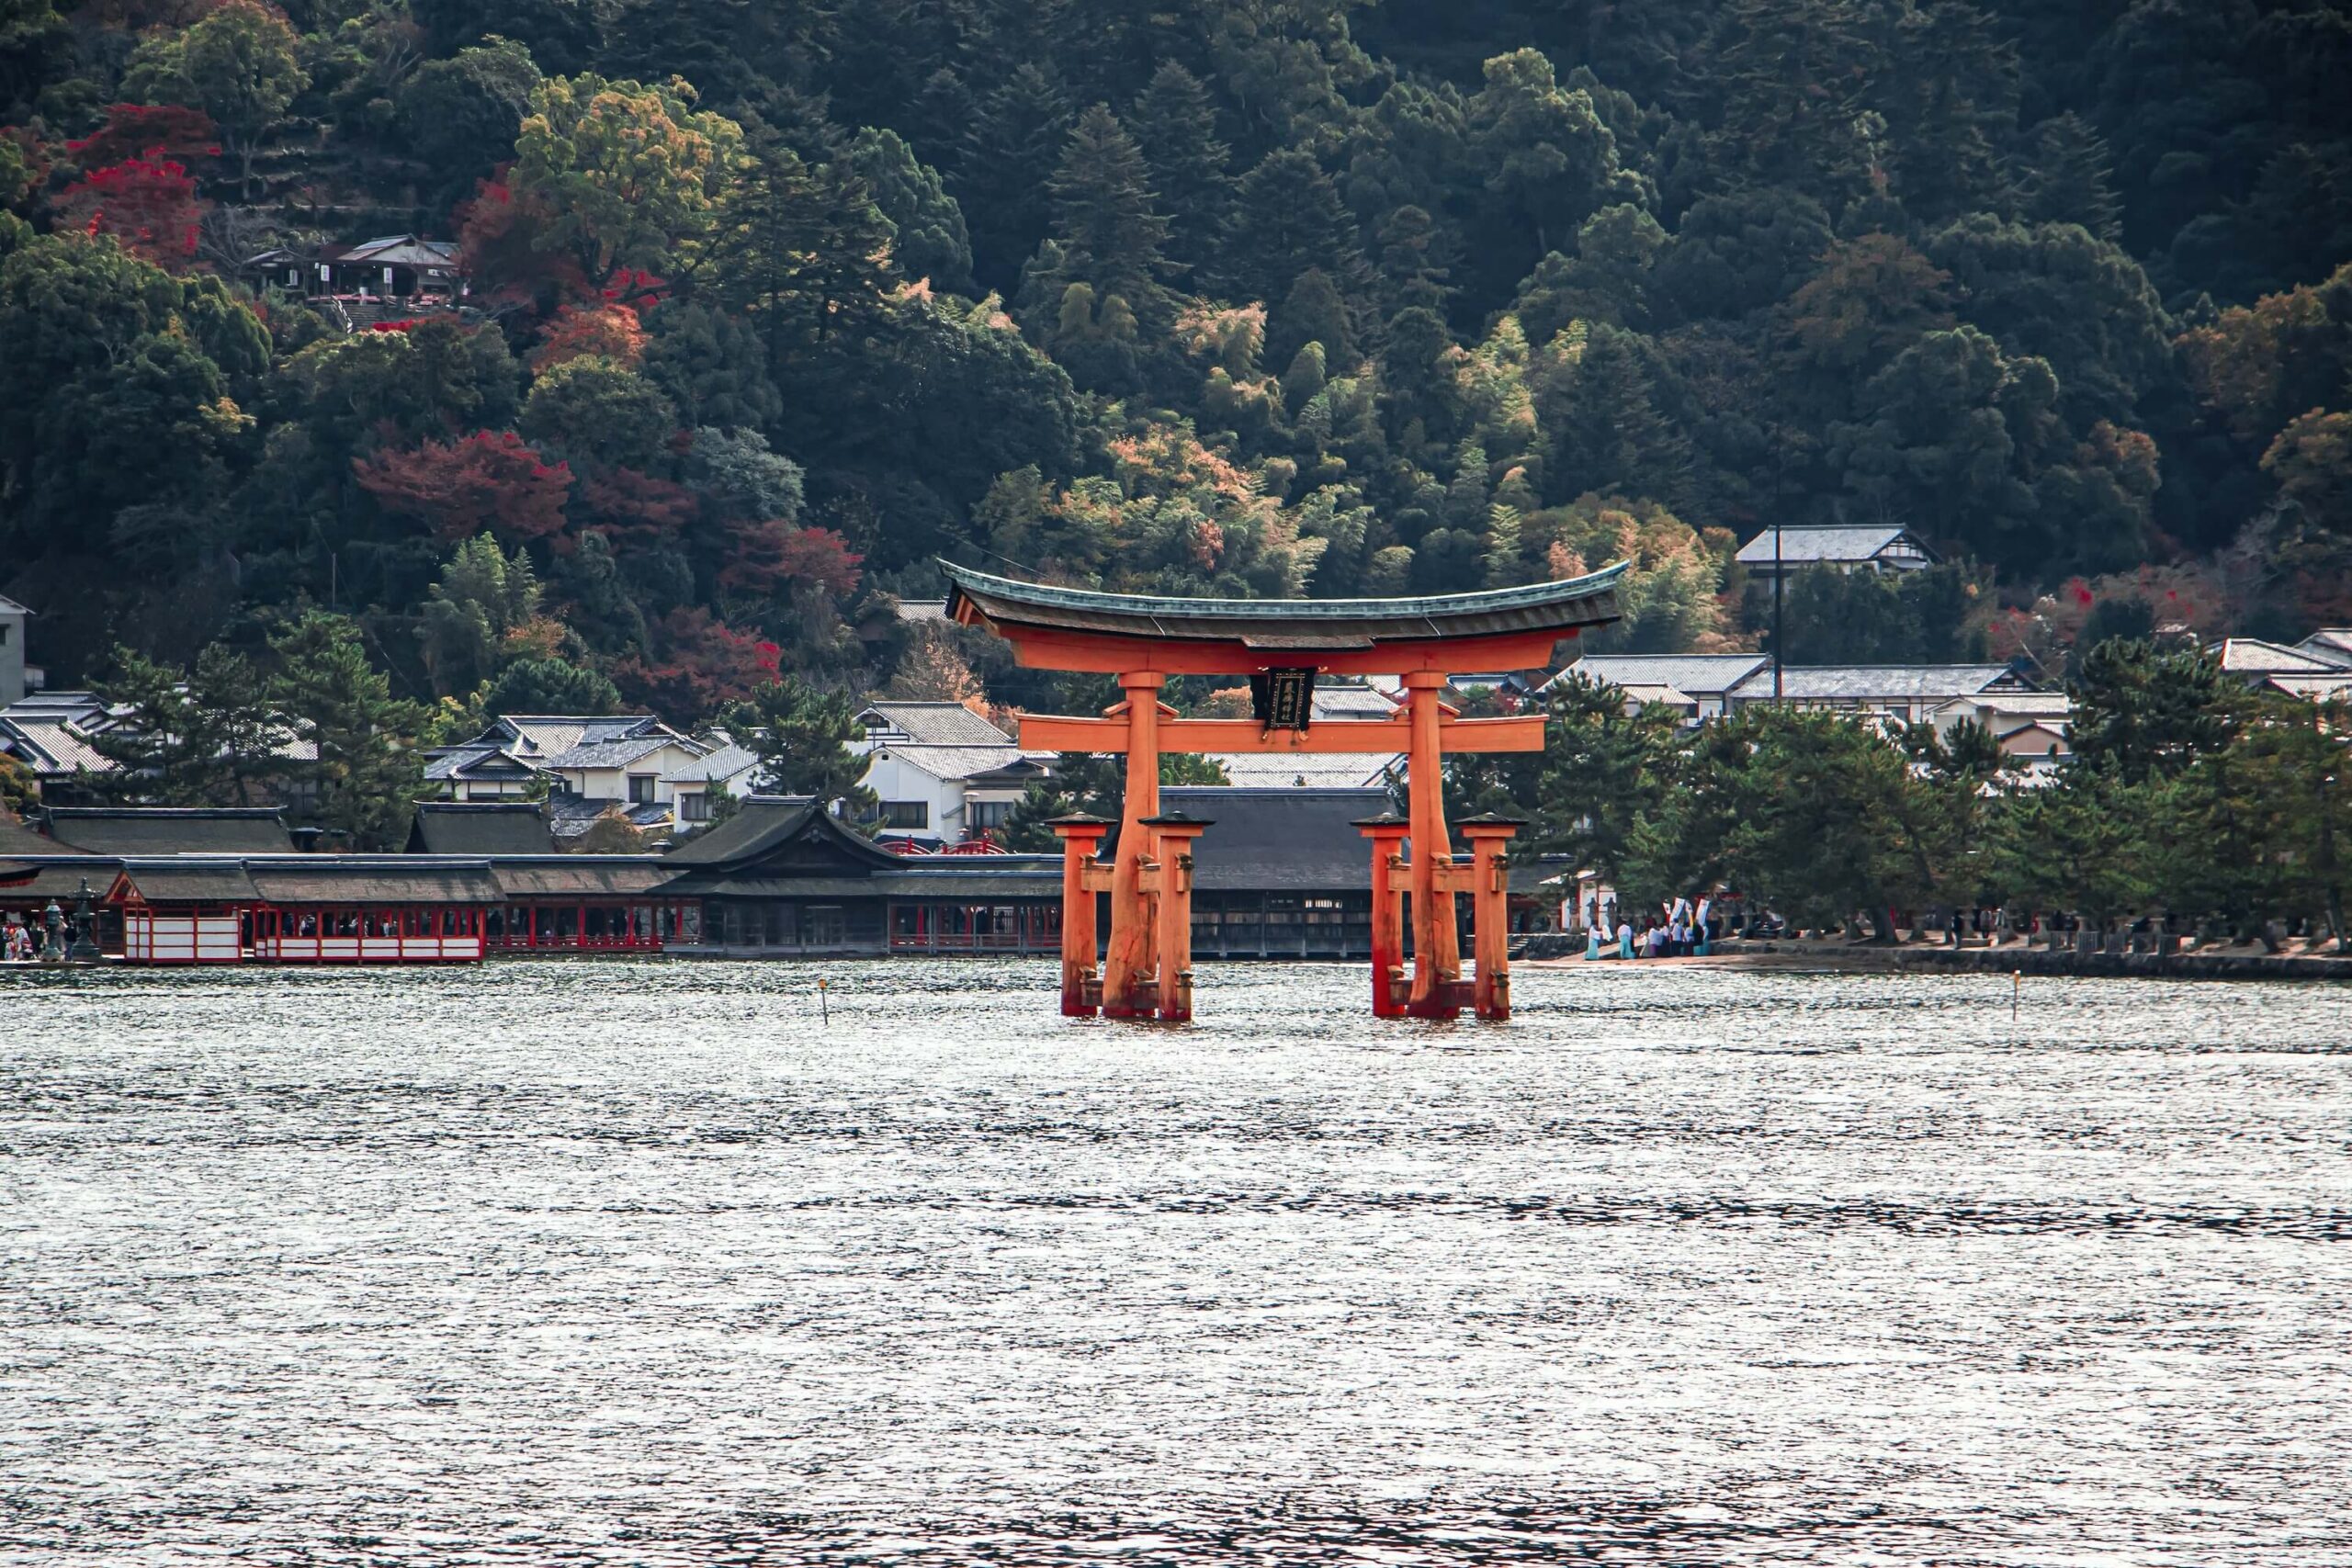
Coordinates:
[59,746]
[611,753]
[2331,643]
[936,723]
[2252,656]
[1305,770]
[1804,546]
[950,763]
[9,606]
[1865,682]
[724,763]
[1700,674]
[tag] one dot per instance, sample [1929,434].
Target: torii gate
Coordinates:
[1281,645]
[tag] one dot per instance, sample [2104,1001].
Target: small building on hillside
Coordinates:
[1877,548]
[393,266]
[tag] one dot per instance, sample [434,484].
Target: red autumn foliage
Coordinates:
[152,131]
[762,556]
[499,231]
[400,326]
[490,479]
[635,290]
[606,331]
[635,508]
[700,662]
[150,208]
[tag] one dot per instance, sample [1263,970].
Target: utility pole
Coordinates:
[1780,575]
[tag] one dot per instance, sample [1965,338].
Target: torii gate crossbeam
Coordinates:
[1147,968]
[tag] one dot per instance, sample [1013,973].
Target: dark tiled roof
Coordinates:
[171,830]
[19,839]
[1279,839]
[341,879]
[190,882]
[478,828]
[586,876]
[761,823]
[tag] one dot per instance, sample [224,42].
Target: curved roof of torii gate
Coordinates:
[1242,634]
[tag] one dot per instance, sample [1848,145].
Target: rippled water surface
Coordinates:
[622,1263]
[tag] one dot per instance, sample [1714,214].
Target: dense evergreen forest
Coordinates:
[773,302]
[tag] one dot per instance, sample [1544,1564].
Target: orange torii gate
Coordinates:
[1281,645]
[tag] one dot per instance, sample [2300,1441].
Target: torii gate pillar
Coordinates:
[1489,836]
[1082,879]
[1130,986]
[1389,988]
[1437,940]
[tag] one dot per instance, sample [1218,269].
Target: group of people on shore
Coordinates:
[1679,930]
[17,943]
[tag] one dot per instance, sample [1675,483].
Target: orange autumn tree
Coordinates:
[605,332]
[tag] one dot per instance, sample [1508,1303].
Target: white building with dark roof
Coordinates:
[624,761]
[1858,548]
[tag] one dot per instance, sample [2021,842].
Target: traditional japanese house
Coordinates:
[784,876]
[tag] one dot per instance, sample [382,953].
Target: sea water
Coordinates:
[650,1262]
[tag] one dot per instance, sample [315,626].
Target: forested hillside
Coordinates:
[773,302]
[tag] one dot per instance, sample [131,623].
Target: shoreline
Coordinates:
[1862,958]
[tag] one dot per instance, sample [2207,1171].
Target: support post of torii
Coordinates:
[1489,836]
[1437,939]
[1129,988]
[1389,988]
[1175,833]
[1081,833]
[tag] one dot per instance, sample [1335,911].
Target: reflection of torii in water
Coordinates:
[1281,645]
